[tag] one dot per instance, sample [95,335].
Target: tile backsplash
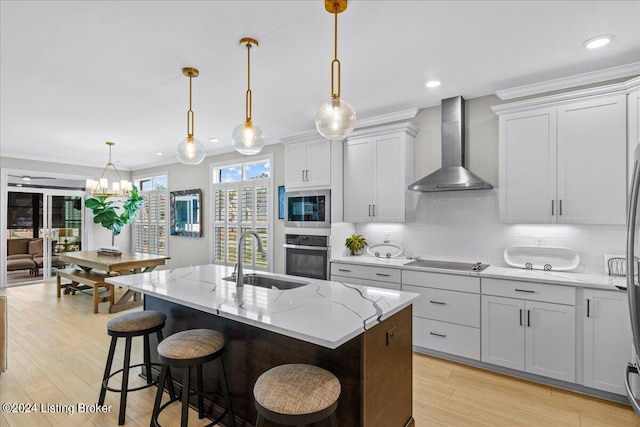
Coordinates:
[464,226]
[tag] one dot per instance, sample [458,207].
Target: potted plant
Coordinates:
[355,243]
[105,214]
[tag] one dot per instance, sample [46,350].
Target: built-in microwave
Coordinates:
[311,208]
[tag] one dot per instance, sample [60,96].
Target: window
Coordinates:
[150,227]
[242,201]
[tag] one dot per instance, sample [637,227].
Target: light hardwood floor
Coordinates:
[57,351]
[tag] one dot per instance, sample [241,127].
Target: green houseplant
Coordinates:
[105,213]
[355,243]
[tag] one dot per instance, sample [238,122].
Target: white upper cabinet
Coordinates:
[307,163]
[378,168]
[562,158]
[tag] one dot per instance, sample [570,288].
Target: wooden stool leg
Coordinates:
[125,380]
[186,374]
[112,294]
[95,297]
[107,370]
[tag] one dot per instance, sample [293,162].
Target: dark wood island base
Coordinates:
[374,368]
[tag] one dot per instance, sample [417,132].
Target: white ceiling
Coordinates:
[74,74]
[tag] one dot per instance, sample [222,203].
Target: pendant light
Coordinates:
[119,187]
[336,118]
[248,138]
[190,151]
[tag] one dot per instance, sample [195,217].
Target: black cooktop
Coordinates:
[449,265]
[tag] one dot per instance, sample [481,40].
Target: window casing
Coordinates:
[150,228]
[242,200]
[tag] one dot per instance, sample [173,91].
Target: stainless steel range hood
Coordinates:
[453,175]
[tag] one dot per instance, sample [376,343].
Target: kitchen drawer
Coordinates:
[446,337]
[448,306]
[452,282]
[558,294]
[383,274]
[366,282]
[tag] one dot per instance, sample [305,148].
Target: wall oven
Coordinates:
[307,256]
[308,208]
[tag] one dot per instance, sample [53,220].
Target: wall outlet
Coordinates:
[391,335]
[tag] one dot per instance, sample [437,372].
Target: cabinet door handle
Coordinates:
[345,270]
[369,210]
[302,171]
[520,317]
[382,274]
[526,291]
[588,308]
[560,208]
[374,210]
[437,302]
[528,318]
[437,335]
[553,205]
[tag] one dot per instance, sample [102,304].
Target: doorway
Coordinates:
[41,224]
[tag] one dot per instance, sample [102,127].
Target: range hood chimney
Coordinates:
[452,175]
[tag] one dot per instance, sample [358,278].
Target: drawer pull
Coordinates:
[437,302]
[345,270]
[437,335]
[526,291]
[382,274]
[588,308]
[520,317]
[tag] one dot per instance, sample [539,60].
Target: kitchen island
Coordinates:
[361,334]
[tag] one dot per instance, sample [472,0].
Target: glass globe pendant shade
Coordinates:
[335,119]
[190,151]
[248,138]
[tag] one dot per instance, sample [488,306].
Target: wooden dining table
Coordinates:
[126,263]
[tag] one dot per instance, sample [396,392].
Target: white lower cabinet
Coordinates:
[446,317]
[607,341]
[380,277]
[528,335]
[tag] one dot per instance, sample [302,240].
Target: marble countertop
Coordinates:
[323,312]
[566,278]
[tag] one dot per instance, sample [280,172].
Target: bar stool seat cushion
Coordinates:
[191,344]
[137,321]
[296,389]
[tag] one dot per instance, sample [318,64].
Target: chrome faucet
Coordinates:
[239,274]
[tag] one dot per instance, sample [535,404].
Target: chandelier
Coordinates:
[119,187]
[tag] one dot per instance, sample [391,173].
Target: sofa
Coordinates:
[27,254]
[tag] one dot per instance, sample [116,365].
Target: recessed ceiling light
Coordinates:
[159,153]
[598,41]
[214,140]
[433,83]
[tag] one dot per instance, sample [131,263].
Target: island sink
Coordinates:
[269,282]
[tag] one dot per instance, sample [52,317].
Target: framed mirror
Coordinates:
[186,213]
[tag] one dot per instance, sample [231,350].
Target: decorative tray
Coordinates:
[542,258]
[384,250]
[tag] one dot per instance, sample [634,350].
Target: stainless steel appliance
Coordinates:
[452,175]
[307,256]
[449,265]
[308,208]
[633,285]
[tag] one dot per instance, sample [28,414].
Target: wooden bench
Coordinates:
[84,280]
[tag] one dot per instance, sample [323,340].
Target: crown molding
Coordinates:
[405,126]
[571,81]
[383,119]
[551,100]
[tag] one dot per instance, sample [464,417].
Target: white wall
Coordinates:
[463,225]
[185,251]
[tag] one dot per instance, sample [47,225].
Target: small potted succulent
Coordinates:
[355,243]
